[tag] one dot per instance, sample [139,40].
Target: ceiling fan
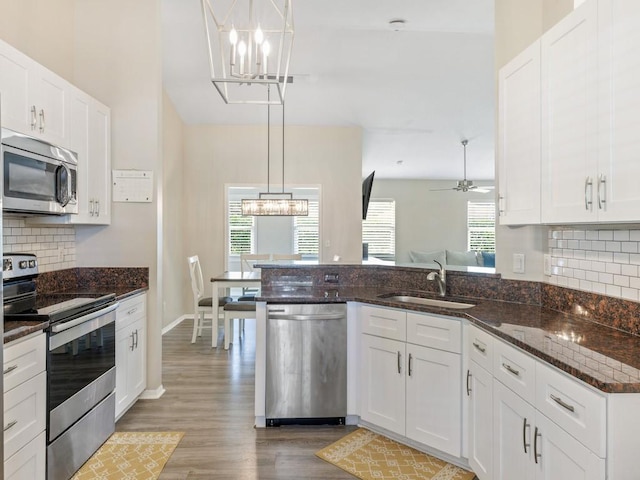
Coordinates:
[465,185]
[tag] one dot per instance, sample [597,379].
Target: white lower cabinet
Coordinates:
[382,383]
[480,428]
[433,398]
[406,386]
[131,335]
[544,425]
[25,382]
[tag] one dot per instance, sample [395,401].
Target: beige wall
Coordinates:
[118,60]
[216,156]
[176,284]
[41,29]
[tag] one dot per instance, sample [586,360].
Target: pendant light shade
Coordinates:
[249,44]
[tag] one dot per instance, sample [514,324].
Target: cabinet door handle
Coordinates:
[42,123]
[500,206]
[510,369]
[399,358]
[34,117]
[468,384]
[10,424]
[587,201]
[97,208]
[136,338]
[132,342]
[525,425]
[536,455]
[10,369]
[479,347]
[602,189]
[91,208]
[563,404]
[410,364]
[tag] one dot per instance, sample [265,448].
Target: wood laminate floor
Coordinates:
[209,395]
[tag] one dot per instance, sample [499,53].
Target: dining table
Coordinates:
[221,283]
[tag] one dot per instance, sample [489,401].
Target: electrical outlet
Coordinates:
[547,264]
[518,263]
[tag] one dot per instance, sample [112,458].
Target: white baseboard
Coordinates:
[179,320]
[152,394]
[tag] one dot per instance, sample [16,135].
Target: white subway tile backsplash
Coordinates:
[605,235]
[605,261]
[55,246]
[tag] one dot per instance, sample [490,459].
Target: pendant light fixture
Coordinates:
[249,44]
[274,203]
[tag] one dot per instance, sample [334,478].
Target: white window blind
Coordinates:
[481,226]
[305,232]
[379,229]
[241,230]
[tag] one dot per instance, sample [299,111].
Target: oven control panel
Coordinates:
[16,265]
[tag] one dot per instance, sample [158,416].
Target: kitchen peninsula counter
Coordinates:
[604,357]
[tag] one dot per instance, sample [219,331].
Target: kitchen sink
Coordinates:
[432,302]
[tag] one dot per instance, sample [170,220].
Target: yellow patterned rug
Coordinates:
[130,456]
[370,456]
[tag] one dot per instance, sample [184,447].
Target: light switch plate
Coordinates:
[518,263]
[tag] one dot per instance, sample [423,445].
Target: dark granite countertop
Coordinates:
[15,330]
[602,356]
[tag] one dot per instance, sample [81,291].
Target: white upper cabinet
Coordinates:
[618,198]
[519,139]
[34,100]
[569,117]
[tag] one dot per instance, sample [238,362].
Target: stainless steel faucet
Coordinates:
[441,278]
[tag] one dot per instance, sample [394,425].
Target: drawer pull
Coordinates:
[10,369]
[10,424]
[132,311]
[479,347]
[525,425]
[559,401]
[510,369]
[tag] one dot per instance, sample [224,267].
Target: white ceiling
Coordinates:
[416,93]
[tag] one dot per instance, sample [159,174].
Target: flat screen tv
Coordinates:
[367,183]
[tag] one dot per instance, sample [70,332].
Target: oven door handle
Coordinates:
[61,327]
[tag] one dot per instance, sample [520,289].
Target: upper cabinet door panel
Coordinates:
[619,104]
[50,99]
[569,117]
[14,89]
[519,138]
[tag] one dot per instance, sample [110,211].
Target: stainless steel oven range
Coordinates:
[80,362]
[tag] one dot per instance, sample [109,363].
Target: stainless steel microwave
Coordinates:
[39,178]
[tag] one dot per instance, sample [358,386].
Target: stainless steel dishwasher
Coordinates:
[306,364]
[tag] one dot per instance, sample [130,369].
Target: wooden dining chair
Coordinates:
[203,305]
[247,264]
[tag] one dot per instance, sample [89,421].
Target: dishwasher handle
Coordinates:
[310,316]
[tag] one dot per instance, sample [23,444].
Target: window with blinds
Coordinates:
[305,233]
[379,229]
[481,226]
[241,230]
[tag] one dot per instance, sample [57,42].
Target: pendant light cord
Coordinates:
[268,135]
[282,146]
